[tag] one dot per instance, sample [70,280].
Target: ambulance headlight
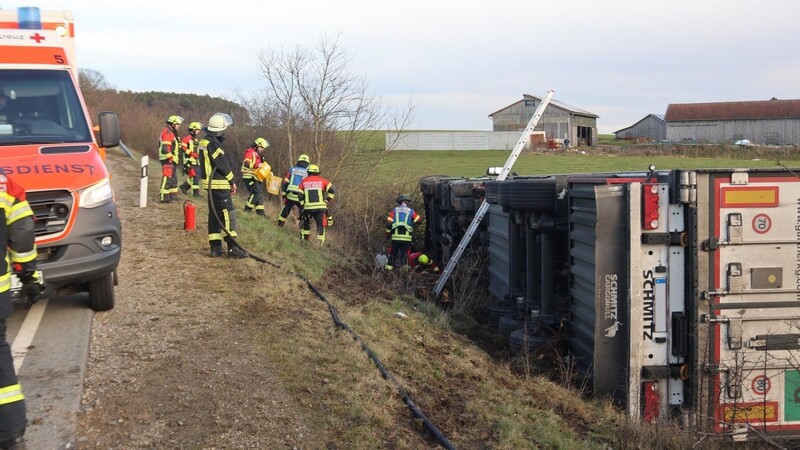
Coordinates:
[96,194]
[61,30]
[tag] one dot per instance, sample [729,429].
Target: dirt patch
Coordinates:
[173,364]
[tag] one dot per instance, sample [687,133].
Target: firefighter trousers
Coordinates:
[221,203]
[320,217]
[169,180]
[12,403]
[255,200]
[399,255]
[287,209]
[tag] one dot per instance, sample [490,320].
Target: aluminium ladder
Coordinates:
[512,158]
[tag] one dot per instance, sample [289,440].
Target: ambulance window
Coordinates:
[41,106]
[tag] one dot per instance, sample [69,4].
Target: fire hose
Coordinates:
[415,410]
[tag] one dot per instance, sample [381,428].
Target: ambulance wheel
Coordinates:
[528,193]
[101,293]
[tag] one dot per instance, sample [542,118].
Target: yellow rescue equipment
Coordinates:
[264,175]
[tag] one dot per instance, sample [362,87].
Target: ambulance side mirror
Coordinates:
[109,130]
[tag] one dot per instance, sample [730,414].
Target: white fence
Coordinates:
[452,140]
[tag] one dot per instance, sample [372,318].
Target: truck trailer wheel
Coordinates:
[101,293]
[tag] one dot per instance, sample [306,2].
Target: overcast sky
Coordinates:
[459,61]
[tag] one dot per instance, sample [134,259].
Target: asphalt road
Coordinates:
[50,343]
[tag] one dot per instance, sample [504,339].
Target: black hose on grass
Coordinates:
[411,405]
[335,316]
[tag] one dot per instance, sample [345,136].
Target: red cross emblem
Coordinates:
[38,38]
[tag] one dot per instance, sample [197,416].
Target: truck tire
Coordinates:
[461,188]
[528,194]
[101,293]
[491,191]
[522,343]
[496,311]
[508,324]
[428,184]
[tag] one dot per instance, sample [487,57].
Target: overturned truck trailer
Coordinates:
[677,292]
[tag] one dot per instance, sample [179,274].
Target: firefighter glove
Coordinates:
[31,289]
[330,220]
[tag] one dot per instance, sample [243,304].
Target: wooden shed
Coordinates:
[764,122]
[559,121]
[652,128]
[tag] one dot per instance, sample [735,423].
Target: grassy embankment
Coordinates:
[474,397]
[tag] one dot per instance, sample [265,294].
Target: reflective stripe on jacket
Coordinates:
[188,145]
[400,223]
[17,236]
[168,146]
[315,192]
[251,162]
[291,183]
[213,157]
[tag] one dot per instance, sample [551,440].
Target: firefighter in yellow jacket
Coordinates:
[19,253]
[217,178]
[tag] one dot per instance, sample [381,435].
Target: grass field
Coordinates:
[474,163]
[608,156]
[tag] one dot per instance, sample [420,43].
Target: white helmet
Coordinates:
[219,122]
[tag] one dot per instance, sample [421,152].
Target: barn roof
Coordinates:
[659,117]
[555,103]
[761,109]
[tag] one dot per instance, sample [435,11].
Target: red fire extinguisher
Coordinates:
[189,211]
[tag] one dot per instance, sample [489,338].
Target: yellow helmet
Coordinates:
[304,157]
[261,142]
[175,120]
[195,126]
[423,259]
[313,168]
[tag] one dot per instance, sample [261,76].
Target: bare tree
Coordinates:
[281,69]
[315,93]
[327,111]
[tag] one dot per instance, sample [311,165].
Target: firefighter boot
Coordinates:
[234,251]
[15,442]
[216,249]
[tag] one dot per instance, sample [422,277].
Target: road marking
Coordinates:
[26,333]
